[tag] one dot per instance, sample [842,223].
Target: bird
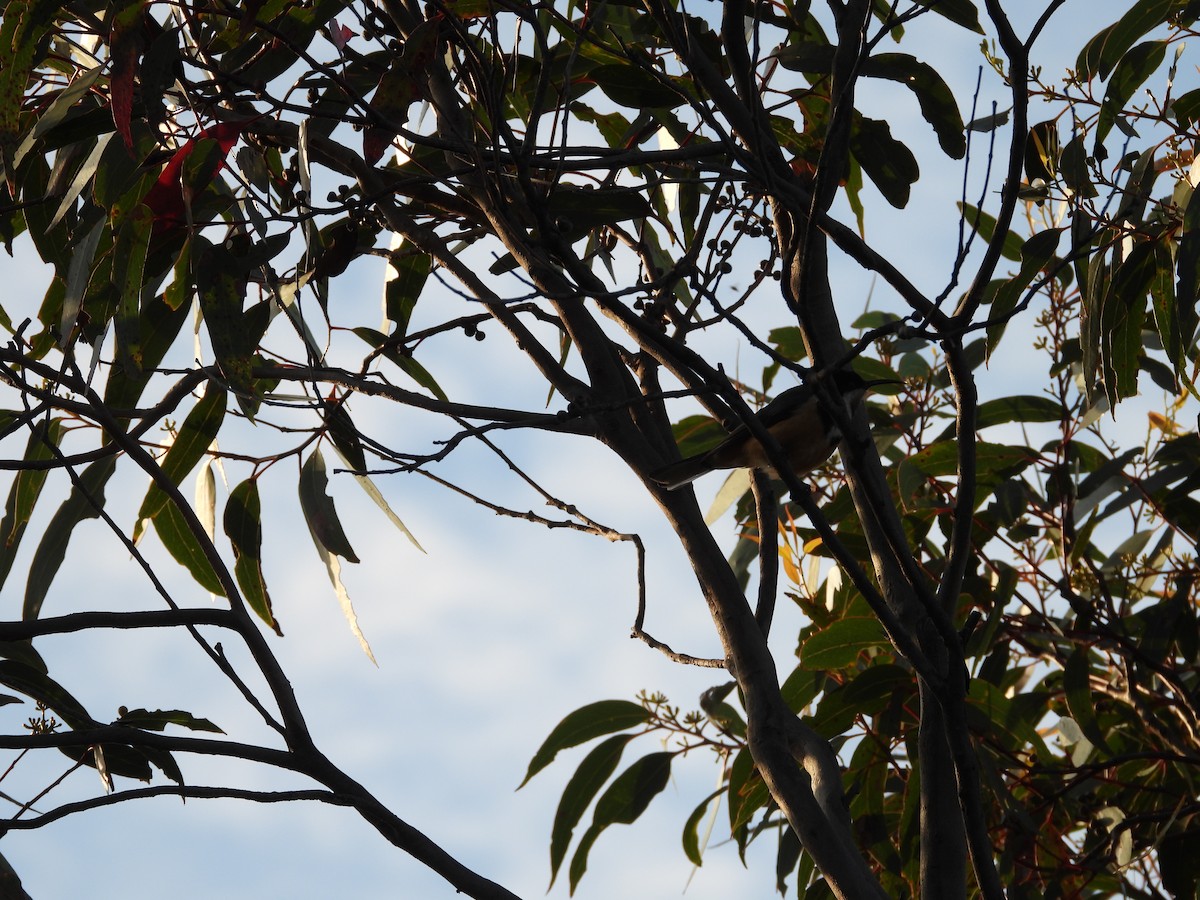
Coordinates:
[796,418]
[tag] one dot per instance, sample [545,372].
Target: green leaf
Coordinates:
[1186,108]
[124,761]
[1074,171]
[1042,151]
[51,552]
[159,719]
[934,96]
[747,794]
[345,436]
[840,644]
[630,85]
[44,435]
[575,209]
[388,348]
[1179,862]
[407,274]
[194,438]
[243,525]
[1036,254]
[986,226]
[41,687]
[1078,692]
[960,12]
[597,767]
[319,510]
[890,165]
[625,800]
[1012,721]
[24,33]
[1020,408]
[875,687]
[1121,318]
[185,548]
[221,287]
[1174,322]
[1104,51]
[691,829]
[801,688]
[584,724]
[1187,268]
[1130,74]
[159,326]
[130,248]
[629,796]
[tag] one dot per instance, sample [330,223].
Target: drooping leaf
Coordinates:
[221,284]
[1078,693]
[185,547]
[130,248]
[624,801]
[1174,322]
[746,794]
[1036,256]
[319,510]
[1042,152]
[692,847]
[328,537]
[402,361]
[195,436]
[41,687]
[126,43]
[243,525]
[407,274]
[934,96]
[24,33]
[889,164]
[44,436]
[51,552]
[985,225]
[595,769]
[585,724]
[159,326]
[344,434]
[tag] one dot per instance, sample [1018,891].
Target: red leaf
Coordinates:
[166,197]
[127,41]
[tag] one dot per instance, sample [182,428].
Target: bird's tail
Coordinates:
[676,475]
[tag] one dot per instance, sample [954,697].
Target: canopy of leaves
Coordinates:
[1000,624]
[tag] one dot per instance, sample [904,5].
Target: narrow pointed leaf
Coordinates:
[243,524]
[333,569]
[195,436]
[51,552]
[597,767]
[624,801]
[185,548]
[26,489]
[585,724]
[319,510]
[159,719]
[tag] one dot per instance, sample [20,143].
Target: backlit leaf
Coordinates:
[585,724]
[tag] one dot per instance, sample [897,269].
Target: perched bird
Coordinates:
[796,418]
